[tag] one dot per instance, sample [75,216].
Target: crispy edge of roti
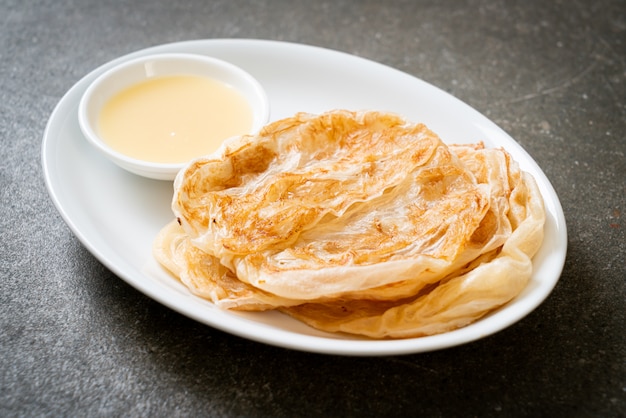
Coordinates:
[205,277]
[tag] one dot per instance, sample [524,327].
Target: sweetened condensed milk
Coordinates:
[174,119]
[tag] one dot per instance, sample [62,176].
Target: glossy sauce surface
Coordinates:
[174,119]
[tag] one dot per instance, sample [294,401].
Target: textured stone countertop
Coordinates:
[76,340]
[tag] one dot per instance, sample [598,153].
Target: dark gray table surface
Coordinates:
[75,340]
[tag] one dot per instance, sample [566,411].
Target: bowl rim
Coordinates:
[145,166]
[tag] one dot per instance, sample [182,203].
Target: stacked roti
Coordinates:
[355,222]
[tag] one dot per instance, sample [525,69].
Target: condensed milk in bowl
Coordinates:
[152,115]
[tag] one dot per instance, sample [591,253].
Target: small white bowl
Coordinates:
[144,68]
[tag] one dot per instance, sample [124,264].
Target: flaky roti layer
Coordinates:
[458,300]
[262,191]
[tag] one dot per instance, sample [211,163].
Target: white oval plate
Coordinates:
[116,215]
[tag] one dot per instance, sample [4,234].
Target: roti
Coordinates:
[357,222]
